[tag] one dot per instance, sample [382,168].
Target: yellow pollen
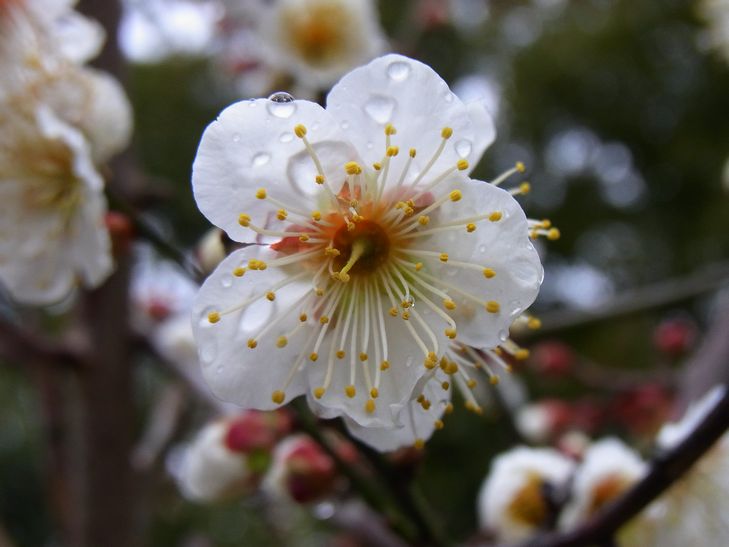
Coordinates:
[370,406]
[214,316]
[427,363]
[278,397]
[319,392]
[520,167]
[405,315]
[420,398]
[303,238]
[553,234]
[352,168]
[281,342]
[319,179]
[494,380]
[319,291]
[244,220]
[239,271]
[446,132]
[462,165]
[495,216]
[522,354]
[392,151]
[534,323]
[418,266]
[423,220]
[471,383]
[377,166]
[449,304]
[393,311]
[271,296]
[390,129]
[363,356]
[406,304]
[448,408]
[425,404]
[419,444]
[303,317]
[488,273]
[492,306]
[450,333]
[323,320]
[438,424]
[384,365]
[341,353]
[470,227]
[350,391]
[300,131]
[525,188]
[455,195]
[452,368]
[546,223]
[374,393]
[445,385]
[252,343]
[316,215]
[443,257]
[261,193]
[412,152]
[331,251]
[281,214]
[314,356]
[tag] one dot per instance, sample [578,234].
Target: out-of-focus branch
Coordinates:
[663,293]
[664,471]
[19,345]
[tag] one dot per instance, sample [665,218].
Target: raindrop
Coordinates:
[463,148]
[344,125]
[370,146]
[236,137]
[482,249]
[448,97]
[226,281]
[379,108]
[503,335]
[261,159]
[409,361]
[281,97]
[281,110]
[208,351]
[286,137]
[398,71]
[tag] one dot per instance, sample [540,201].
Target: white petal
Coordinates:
[503,246]
[412,97]
[252,145]
[235,372]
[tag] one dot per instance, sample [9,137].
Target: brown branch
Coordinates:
[21,346]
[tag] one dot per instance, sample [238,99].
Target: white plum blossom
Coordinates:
[370,249]
[608,469]
[716,15]
[60,122]
[513,502]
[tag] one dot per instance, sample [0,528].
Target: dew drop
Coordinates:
[448,97]
[344,125]
[398,71]
[409,361]
[281,109]
[370,146]
[226,281]
[503,335]
[482,249]
[236,137]
[281,97]
[463,148]
[286,137]
[379,108]
[208,351]
[261,159]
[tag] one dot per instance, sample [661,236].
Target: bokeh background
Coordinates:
[619,110]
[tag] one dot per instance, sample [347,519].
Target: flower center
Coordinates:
[362,249]
[529,505]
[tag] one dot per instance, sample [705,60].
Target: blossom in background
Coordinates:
[375,249]
[516,499]
[608,469]
[60,122]
[716,15]
[543,420]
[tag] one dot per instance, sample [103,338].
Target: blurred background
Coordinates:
[618,109]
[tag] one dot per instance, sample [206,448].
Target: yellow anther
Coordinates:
[350,391]
[262,265]
[331,251]
[406,304]
[363,356]
[427,363]
[449,304]
[462,165]
[303,317]
[281,342]
[405,315]
[508,369]
[316,215]
[493,380]
[244,220]
[313,356]
[534,323]
[423,220]
[499,352]
[432,356]
[281,214]
[452,368]
[470,227]
[261,193]
[304,238]
[488,273]
[492,306]
[239,271]
[419,444]
[340,354]
[370,406]
[455,195]
[271,296]
[377,166]
[252,343]
[525,188]
[319,392]
[522,354]
[425,404]
[546,223]
[390,129]
[553,234]
[533,234]
[450,333]
[420,398]
[446,132]
[392,151]
[319,179]
[448,409]
[384,365]
[393,311]
[278,397]
[374,393]
[319,291]
[443,257]
[300,131]
[324,320]
[342,276]
[495,216]
[445,385]
[352,168]
[418,266]
[471,383]
[520,167]
[214,316]
[412,152]
[438,424]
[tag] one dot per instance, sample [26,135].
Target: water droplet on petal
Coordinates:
[463,148]
[208,351]
[398,70]
[261,159]
[503,335]
[482,249]
[286,137]
[281,108]
[226,281]
[448,97]
[409,361]
[281,97]
[380,108]
[344,125]
[370,146]
[236,137]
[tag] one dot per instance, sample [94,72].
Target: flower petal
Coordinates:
[409,95]
[252,145]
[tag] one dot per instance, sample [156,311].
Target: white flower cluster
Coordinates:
[61,121]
